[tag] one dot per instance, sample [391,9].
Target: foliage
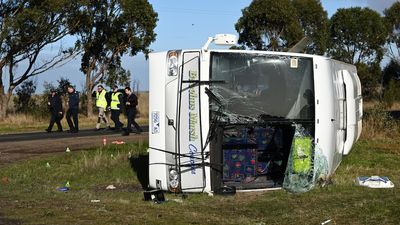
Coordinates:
[391,93]
[268,24]
[26,28]
[357,35]
[278,25]
[314,21]
[61,88]
[392,19]
[116,75]
[107,30]
[23,101]
[391,72]
[378,123]
[370,77]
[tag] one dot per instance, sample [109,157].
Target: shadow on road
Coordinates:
[140,165]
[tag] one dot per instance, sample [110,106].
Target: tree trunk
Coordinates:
[89,86]
[4,100]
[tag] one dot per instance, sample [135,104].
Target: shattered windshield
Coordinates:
[250,86]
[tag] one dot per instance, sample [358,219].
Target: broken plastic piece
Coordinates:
[375,182]
[118,142]
[110,187]
[63,189]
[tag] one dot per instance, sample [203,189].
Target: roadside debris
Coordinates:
[118,142]
[326,222]
[63,189]
[177,200]
[95,201]
[110,187]
[67,184]
[48,165]
[374,182]
[67,150]
[157,196]
[104,141]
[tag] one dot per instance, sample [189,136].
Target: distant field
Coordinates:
[17,123]
[29,193]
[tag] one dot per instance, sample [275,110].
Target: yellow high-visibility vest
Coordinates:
[101,99]
[115,100]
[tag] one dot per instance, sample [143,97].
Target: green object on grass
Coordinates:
[302,148]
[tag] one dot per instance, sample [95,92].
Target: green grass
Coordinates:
[31,195]
[27,123]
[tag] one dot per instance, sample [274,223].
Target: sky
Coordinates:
[183,24]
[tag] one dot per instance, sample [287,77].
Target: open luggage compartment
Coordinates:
[250,156]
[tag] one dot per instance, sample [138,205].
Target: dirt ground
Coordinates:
[12,151]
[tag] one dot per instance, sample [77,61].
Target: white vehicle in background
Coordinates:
[231,118]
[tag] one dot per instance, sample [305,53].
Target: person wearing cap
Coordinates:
[101,104]
[116,107]
[56,110]
[131,103]
[73,109]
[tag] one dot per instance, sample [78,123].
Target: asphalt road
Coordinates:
[58,135]
[16,147]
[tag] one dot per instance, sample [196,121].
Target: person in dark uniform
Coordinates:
[131,103]
[56,110]
[116,105]
[73,108]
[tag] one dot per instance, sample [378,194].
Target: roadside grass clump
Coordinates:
[377,123]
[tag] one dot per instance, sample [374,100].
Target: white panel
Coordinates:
[190,145]
[157,159]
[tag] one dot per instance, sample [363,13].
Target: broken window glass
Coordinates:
[254,86]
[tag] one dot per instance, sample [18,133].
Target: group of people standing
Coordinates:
[114,101]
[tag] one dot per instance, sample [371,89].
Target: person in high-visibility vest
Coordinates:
[101,104]
[116,107]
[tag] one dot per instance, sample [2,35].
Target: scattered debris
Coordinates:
[63,189]
[104,141]
[157,196]
[177,200]
[95,201]
[48,165]
[67,150]
[374,182]
[110,187]
[67,184]
[118,142]
[326,222]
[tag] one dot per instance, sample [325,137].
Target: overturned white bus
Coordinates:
[249,120]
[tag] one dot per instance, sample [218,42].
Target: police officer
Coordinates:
[56,110]
[73,108]
[116,106]
[101,104]
[131,103]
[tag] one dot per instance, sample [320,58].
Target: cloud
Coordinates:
[381,4]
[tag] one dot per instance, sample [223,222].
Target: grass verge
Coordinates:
[28,193]
[20,123]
